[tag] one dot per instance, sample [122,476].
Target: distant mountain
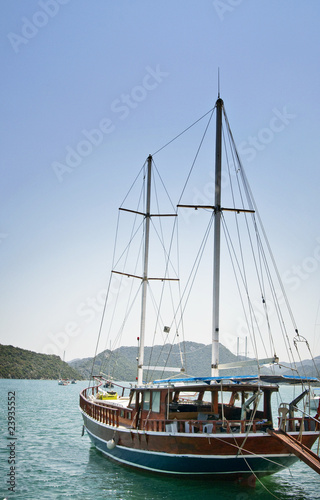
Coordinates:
[118,366]
[22,364]
[307,368]
[121,364]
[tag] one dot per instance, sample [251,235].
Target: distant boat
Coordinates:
[108,385]
[218,425]
[63,382]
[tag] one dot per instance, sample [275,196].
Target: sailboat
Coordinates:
[220,425]
[63,381]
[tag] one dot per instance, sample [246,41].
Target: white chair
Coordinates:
[208,428]
[172,427]
[188,427]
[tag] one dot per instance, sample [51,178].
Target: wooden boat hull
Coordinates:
[223,455]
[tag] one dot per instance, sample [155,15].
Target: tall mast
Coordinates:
[216,256]
[145,275]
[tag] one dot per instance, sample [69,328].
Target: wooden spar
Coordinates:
[145,275]
[141,277]
[216,257]
[210,207]
[299,449]
[150,215]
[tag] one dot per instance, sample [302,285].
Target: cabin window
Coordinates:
[253,404]
[188,396]
[207,397]
[225,397]
[156,401]
[146,400]
[133,399]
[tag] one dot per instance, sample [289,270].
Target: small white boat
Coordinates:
[314,399]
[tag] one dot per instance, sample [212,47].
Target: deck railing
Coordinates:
[111,416]
[204,426]
[295,424]
[99,411]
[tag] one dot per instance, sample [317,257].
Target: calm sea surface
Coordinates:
[50,459]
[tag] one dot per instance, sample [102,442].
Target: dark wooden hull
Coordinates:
[219,455]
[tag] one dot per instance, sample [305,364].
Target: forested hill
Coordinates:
[22,364]
[121,364]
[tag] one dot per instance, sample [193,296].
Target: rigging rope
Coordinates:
[233,258]
[237,168]
[181,133]
[114,264]
[167,259]
[190,171]
[252,203]
[197,153]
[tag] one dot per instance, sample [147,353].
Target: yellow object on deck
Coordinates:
[107,395]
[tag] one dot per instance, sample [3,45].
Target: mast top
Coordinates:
[219,101]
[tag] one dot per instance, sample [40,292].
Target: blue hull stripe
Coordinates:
[194,464]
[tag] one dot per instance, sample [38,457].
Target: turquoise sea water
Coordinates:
[52,461]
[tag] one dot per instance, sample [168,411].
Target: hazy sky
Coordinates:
[90,88]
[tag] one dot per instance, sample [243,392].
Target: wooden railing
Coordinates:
[294,424]
[111,416]
[203,426]
[90,391]
[98,411]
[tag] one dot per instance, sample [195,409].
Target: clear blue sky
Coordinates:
[139,72]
